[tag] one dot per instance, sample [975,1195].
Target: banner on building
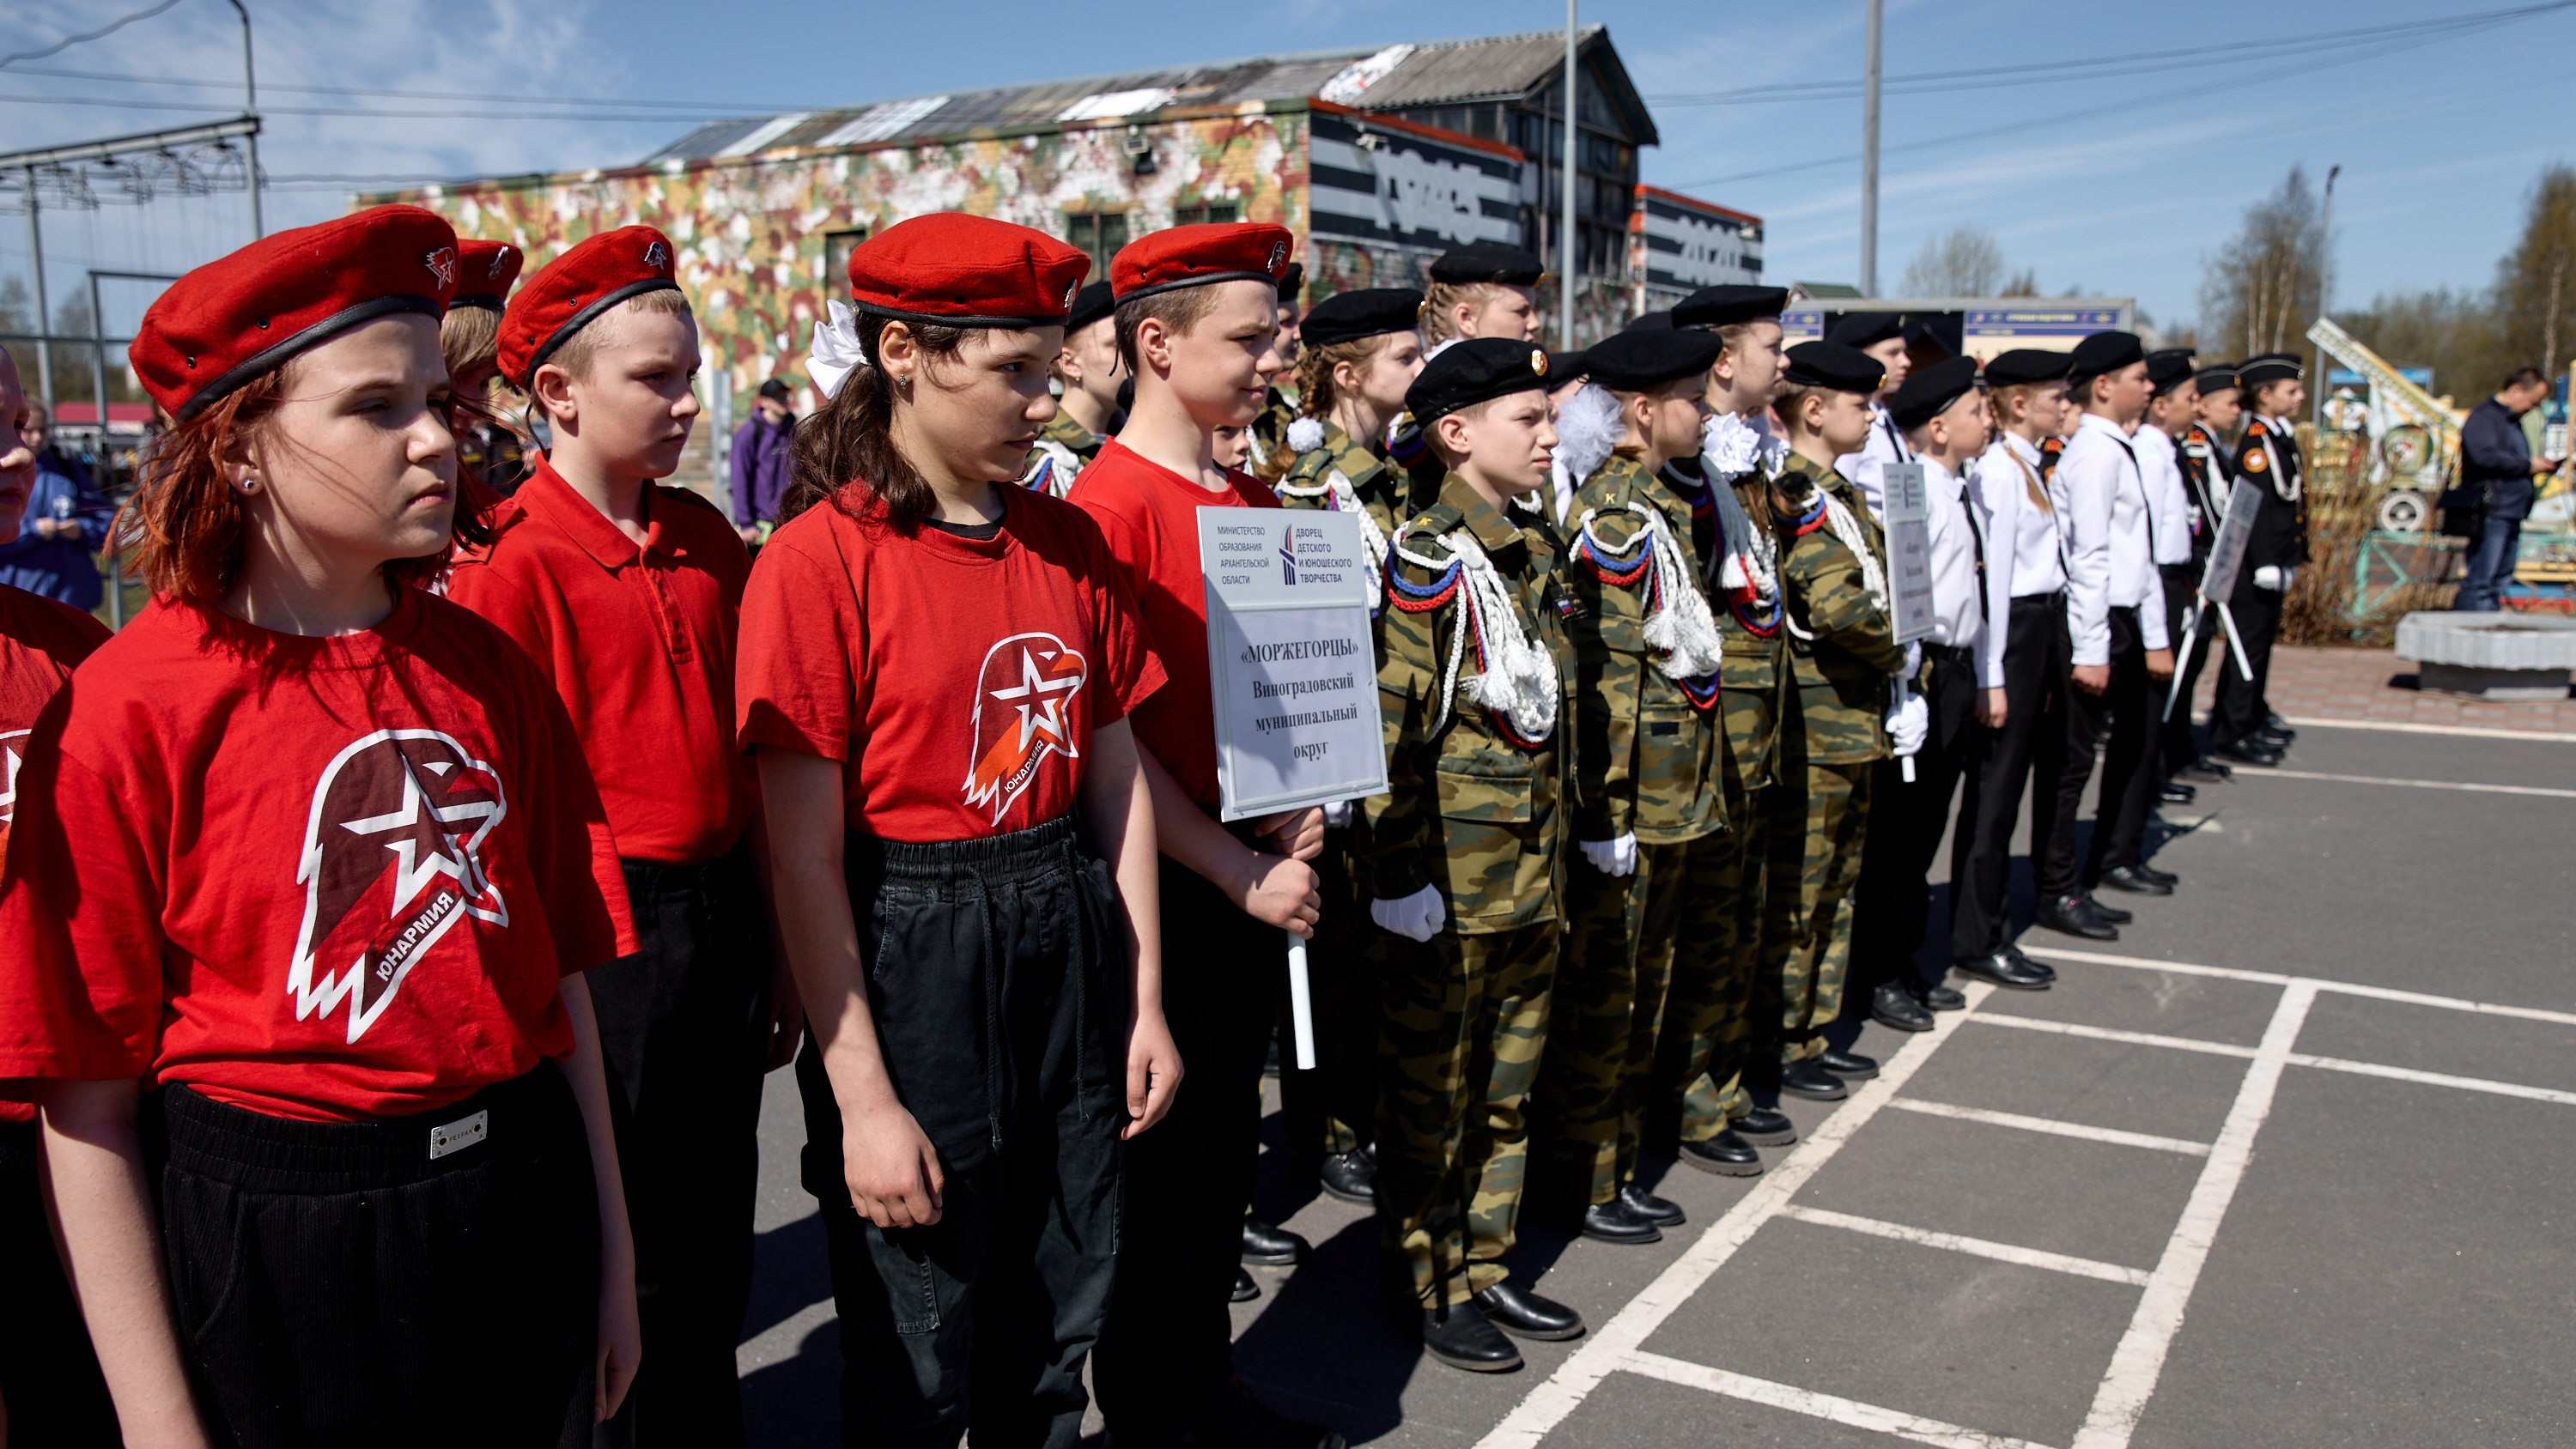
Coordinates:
[1686,245]
[1401,185]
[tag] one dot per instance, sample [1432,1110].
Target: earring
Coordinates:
[250,483]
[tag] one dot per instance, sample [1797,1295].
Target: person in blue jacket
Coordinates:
[56,554]
[2497,472]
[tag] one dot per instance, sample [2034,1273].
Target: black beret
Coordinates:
[1372,312]
[1488,262]
[2103,352]
[1565,367]
[1651,322]
[1833,365]
[1090,305]
[1292,281]
[1479,369]
[1927,394]
[775,389]
[1867,329]
[1640,358]
[2027,365]
[2169,368]
[1728,305]
[2217,377]
[2269,367]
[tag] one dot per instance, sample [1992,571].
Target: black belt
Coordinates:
[2053,599]
[2179,573]
[1950,652]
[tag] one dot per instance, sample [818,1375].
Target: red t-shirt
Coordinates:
[958,680]
[40,641]
[329,879]
[1149,514]
[640,644]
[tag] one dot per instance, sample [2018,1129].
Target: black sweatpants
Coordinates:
[2084,721]
[334,1284]
[2029,750]
[1166,1360]
[1332,1109]
[2175,747]
[2129,774]
[49,1379]
[1894,898]
[2241,709]
[684,1026]
[997,979]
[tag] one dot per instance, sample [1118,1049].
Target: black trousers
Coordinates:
[684,1026]
[2241,709]
[1332,1108]
[1166,1359]
[2175,746]
[49,1379]
[334,1284]
[2129,774]
[1894,898]
[997,978]
[2030,746]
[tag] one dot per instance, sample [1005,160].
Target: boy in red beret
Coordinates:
[1198,329]
[628,596]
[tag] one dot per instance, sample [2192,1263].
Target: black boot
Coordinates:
[1726,1154]
[1613,1222]
[1245,1290]
[1894,1007]
[2001,969]
[2074,915]
[1808,1080]
[1350,1176]
[1764,1128]
[1524,1314]
[1656,1210]
[1462,1337]
[1271,1247]
[1850,1066]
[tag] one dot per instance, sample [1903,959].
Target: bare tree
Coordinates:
[2262,286]
[1966,263]
[2533,293]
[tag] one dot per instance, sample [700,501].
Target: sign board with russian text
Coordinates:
[2227,550]
[1291,661]
[1908,519]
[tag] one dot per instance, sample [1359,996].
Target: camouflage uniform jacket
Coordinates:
[1064,446]
[1842,646]
[1756,647]
[1338,473]
[1472,807]
[1271,455]
[1645,744]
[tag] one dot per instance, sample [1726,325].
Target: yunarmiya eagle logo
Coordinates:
[1024,700]
[393,859]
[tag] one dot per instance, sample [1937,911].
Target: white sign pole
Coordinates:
[2190,628]
[1907,512]
[1301,1003]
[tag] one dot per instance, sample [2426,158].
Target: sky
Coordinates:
[2117,157]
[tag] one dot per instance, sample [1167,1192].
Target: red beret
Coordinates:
[966,271]
[574,289]
[1193,256]
[231,321]
[485,271]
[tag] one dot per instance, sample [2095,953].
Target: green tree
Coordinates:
[2535,290]
[2261,288]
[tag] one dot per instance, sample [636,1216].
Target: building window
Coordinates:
[837,246]
[1097,233]
[1214,211]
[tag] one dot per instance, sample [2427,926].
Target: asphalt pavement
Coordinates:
[2285,1166]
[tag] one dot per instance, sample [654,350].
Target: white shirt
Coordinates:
[2168,496]
[1886,445]
[2109,561]
[1958,619]
[2024,557]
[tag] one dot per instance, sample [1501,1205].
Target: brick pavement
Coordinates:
[2375,686]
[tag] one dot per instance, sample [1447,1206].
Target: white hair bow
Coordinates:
[836,351]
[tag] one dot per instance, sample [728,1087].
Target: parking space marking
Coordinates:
[2133,1038]
[2140,1359]
[2540,790]
[1603,1351]
[2186,968]
[2433,1079]
[1814,1405]
[2340,988]
[2396,728]
[1977,1247]
[2050,1125]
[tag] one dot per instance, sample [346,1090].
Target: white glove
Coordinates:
[1417,917]
[1908,723]
[1337,816]
[1913,660]
[1612,857]
[2269,577]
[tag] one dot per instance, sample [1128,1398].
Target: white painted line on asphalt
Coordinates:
[1814,1405]
[2433,1079]
[2543,791]
[2340,988]
[2052,1126]
[2393,727]
[2134,1038]
[2140,1359]
[1603,1351]
[1977,1247]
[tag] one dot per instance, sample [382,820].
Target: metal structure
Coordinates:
[1566,234]
[2413,438]
[1869,154]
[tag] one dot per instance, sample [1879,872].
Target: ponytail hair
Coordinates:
[1315,395]
[845,450]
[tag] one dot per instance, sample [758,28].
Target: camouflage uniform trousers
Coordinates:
[1814,823]
[1329,1110]
[1465,1020]
[1708,1032]
[1624,938]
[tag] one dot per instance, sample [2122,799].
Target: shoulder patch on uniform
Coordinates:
[2256,460]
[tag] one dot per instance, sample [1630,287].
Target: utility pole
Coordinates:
[1566,238]
[250,108]
[44,317]
[2325,293]
[1868,158]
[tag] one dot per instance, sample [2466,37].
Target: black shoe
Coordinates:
[2041,969]
[1943,998]
[1350,1176]
[2276,734]
[2250,752]
[1653,1209]
[1726,1154]
[2175,792]
[1245,1290]
[1524,1314]
[1808,1080]
[1270,1062]
[1462,1337]
[1248,1423]
[1850,1066]
[2001,969]
[2151,873]
[2204,769]
[1763,1128]
[1614,1222]
[2113,914]
[1271,1247]
[1894,1007]
[2137,883]
[2073,915]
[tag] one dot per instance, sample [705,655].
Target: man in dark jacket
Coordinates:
[2497,469]
[763,465]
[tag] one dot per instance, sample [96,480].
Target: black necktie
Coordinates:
[1977,540]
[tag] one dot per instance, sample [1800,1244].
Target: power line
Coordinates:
[727,107]
[346,112]
[59,46]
